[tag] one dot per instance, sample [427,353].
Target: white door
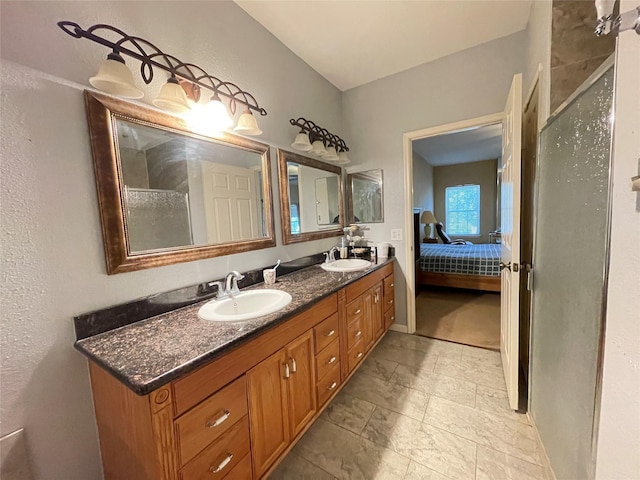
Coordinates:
[322,202]
[231,203]
[510,249]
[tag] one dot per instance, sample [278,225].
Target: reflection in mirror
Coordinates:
[366,197]
[168,195]
[310,198]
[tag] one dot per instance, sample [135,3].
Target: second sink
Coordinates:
[346,265]
[245,305]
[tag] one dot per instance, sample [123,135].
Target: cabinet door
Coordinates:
[301,382]
[377,320]
[367,324]
[268,410]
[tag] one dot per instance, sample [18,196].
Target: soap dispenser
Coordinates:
[344,252]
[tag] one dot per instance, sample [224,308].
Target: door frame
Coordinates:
[407,139]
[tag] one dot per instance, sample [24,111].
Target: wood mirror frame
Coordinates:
[285,201]
[102,112]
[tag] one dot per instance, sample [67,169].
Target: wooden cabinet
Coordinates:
[282,400]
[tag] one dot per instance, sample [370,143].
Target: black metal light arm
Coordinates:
[316,132]
[164,61]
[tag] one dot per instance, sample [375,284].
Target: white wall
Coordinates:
[619,433]
[52,257]
[538,52]
[422,183]
[468,84]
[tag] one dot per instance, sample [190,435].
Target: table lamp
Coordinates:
[427,218]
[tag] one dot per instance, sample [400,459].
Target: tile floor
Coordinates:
[419,408]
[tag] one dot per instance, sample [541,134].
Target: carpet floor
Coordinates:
[461,316]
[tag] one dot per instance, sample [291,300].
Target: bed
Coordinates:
[476,267]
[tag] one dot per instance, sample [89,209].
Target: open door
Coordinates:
[510,249]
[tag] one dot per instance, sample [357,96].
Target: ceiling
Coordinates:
[351,43]
[468,146]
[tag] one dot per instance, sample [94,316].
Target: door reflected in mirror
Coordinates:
[311,198]
[366,197]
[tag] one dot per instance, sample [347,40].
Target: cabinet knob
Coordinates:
[390,302]
[219,420]
[330,333]
[357,312]
[359,355]
[223,464]
[391,285]
[332,386]
[358,333]
[332,360]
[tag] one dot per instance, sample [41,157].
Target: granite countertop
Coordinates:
[149,354]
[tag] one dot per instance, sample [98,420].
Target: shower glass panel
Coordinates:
[570,262]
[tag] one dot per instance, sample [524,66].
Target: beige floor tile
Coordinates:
[419,472]
[482,356]
[378,367]
[294,467]
[471,371]
[507,436]
[495,401]
[494,465]
[436,449]
[398,398]
[423,344]
[348,456]
[404,356]
[348,412]
[454,389]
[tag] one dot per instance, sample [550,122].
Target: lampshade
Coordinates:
[114,77]
[247,124]
[330,154]
[427,217]
[172,97]
[317,148]
[218,115]
[343,159]
[302,143]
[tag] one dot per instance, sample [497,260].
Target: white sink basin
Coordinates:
[245,306]
[346,265]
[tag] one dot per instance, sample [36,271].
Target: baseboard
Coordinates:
[399,328]
[549,473]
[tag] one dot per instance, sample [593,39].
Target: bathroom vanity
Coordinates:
[177,397]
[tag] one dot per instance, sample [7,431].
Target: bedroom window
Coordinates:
[463,210]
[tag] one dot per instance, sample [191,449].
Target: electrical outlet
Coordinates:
[396,234]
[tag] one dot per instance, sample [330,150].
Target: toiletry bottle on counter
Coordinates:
[343,249]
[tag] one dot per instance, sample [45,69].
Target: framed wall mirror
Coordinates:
[365,197]
[311,201]
[168,195]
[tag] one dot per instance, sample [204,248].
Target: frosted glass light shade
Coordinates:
[218,115]
[247,124]
[343,159]
[114,77]
[302,143]
[317,148]
[330,154]
[172,97]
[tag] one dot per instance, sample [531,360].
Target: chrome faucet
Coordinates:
[330,255]
[229,287]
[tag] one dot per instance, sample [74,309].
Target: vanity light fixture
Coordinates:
[115,78]
[319,141]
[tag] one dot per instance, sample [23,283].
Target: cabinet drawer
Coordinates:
[326,332]
[389,318]
[327,359]
[328,384]
[355,332]
[389,291]
[221,457]
[355,310]
[355,355]
[214,416]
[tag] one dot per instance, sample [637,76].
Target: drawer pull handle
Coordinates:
[332,360]
[332,386]
[294,366]
[330,333]
[223,464]
[390,302]
[359,355]
[393,318]
[391,285]
[358,333]
[357,312]
[376,299]
[287,374]
[219,420]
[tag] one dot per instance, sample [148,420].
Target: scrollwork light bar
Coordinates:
[316,132]
[164,61]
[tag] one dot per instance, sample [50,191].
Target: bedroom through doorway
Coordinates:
[456,190]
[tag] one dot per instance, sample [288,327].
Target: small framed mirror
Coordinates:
[365,197]
[168,195]
[311,200]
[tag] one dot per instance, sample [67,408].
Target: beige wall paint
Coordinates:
[477,173]
[52,257]
[422,183]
